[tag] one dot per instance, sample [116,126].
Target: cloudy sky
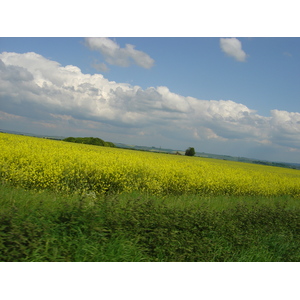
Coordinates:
[223,95]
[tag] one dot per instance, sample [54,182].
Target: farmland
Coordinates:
[54,165]
[74,202]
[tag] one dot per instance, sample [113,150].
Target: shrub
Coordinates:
[190,151]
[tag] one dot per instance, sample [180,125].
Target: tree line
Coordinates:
[89,140]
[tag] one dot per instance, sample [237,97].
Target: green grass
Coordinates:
[138,227]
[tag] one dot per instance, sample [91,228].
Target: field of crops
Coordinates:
[39,164]
[63,201]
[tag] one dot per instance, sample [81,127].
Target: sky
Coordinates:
[235,96]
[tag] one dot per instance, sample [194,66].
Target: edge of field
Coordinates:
[46,226]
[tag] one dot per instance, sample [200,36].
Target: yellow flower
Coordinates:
[76,168]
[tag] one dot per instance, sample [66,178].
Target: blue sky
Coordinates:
[225,95]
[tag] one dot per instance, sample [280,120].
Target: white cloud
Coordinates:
[233,47]
[286,128]
[51,96]
[115,55]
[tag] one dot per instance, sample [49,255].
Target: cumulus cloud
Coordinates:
[286,128]
[233,47]
[47,94]
[115,55]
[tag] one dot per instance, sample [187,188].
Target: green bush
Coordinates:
[89,141]
[190,151]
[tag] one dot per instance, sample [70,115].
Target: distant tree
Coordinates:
[89,140]
[95,141]
[70,139]
[109,144]
[190,151]
[79,140]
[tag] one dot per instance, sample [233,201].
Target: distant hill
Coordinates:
[53,137]
[145,148]
[210,155]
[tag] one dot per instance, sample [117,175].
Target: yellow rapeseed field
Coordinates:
[40,164]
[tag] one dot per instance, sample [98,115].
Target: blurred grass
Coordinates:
[49,226]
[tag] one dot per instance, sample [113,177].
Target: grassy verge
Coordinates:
[136,227]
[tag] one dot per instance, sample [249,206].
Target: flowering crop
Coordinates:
[40,164]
